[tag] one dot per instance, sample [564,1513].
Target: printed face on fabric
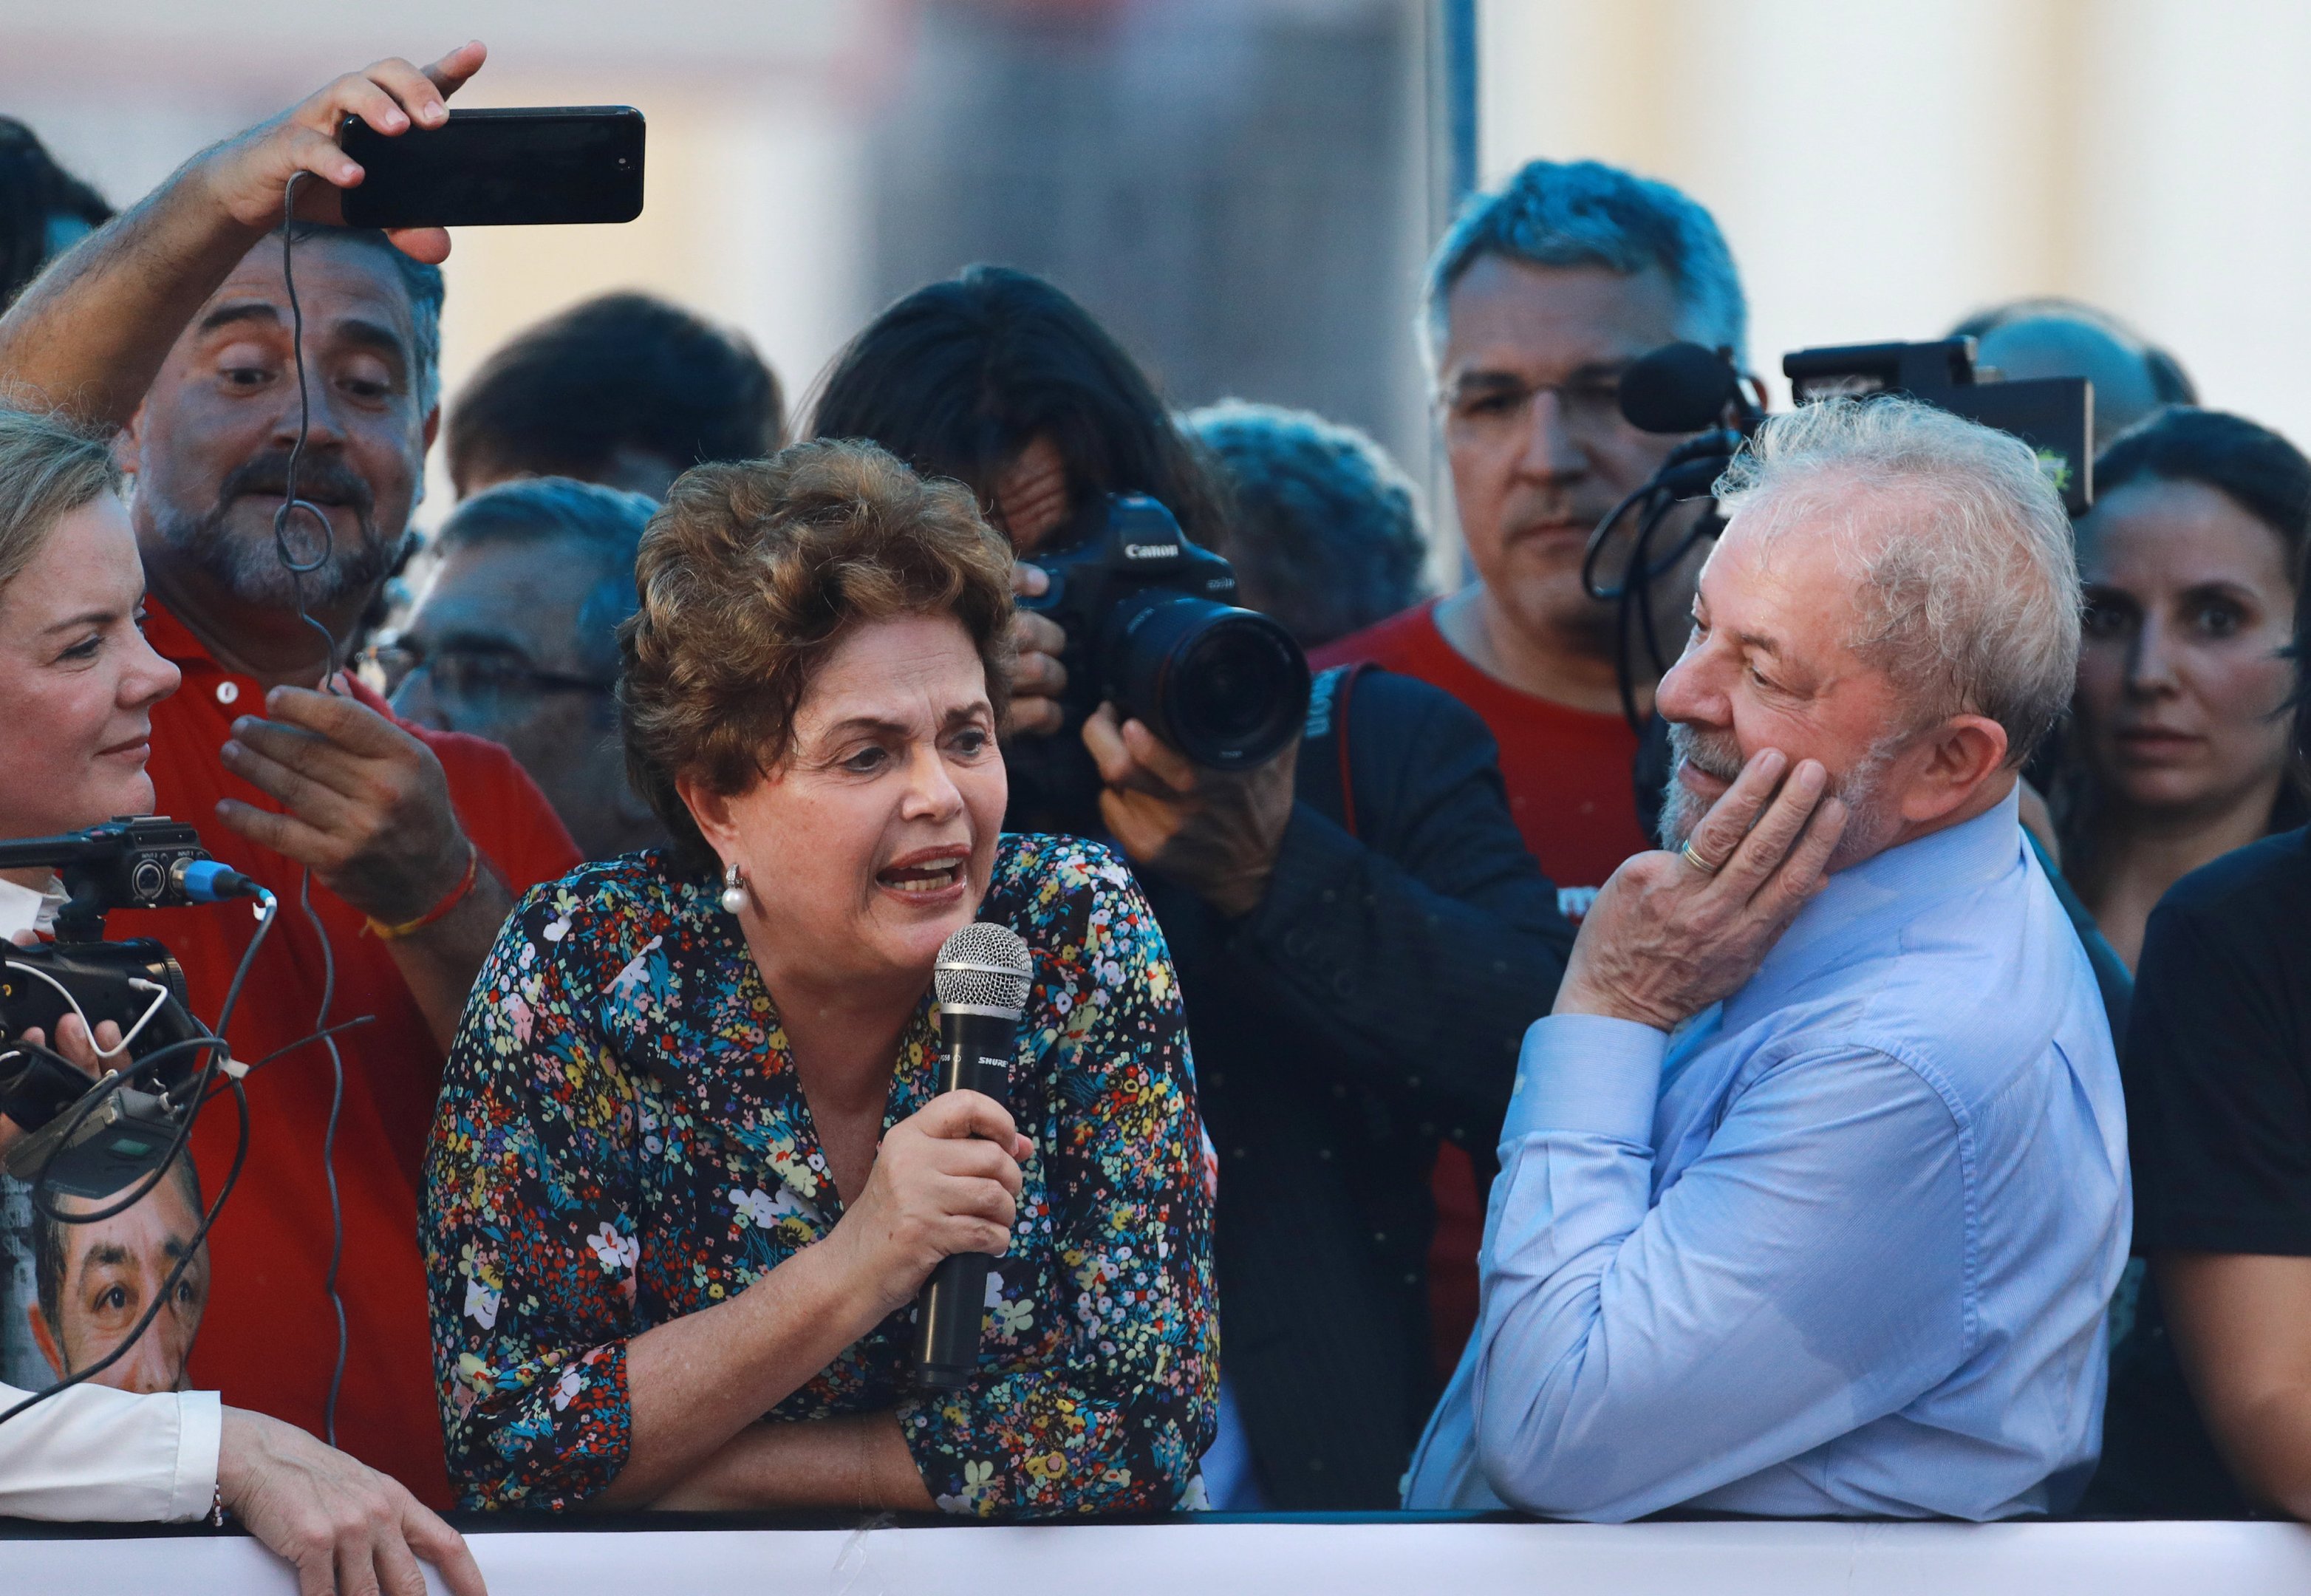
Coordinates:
[97,1280]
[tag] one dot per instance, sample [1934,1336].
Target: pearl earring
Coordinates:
[734,890]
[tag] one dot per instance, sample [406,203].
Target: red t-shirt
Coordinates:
[268,1338]
[1569,773]
[1572,789]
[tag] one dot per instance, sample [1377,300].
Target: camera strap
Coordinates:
[1326,781]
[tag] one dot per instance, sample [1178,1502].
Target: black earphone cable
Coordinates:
[298,570]
[197,1095]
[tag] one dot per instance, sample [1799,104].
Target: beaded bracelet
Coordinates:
[458,895]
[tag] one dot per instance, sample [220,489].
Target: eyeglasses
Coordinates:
[1494,404]
[476,679]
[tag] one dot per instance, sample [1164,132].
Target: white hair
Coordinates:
[1967,583]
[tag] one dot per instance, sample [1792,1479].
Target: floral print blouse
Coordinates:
[622,1140]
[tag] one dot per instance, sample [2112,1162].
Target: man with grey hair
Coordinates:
[1814,1187]
[1541,296]
[1544,292]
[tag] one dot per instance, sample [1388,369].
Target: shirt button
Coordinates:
[227,692]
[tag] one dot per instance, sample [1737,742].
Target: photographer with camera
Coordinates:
[1361,937]
[78,687]
[177,321]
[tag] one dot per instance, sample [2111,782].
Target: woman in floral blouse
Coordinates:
[689,1173]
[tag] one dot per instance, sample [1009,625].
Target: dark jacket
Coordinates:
[1373,1002]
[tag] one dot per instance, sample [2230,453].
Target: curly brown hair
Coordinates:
[748,577]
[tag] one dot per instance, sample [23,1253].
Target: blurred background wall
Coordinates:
[1882,170]
[1237,187]
[1245,188]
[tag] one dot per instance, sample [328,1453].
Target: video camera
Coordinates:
[2054,416]
[1688,388]
[91,1139]
[1153,627]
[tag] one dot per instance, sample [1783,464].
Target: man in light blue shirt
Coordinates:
[1814,1188]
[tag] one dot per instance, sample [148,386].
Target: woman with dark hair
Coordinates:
[999,381]
[2179,750]
[691,1166]
[2218,1055]
[1361,936]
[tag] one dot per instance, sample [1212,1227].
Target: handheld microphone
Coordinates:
[981,981]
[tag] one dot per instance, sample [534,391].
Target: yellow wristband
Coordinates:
[458,895]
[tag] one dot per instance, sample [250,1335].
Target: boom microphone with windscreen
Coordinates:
[1678,389]
[981,981]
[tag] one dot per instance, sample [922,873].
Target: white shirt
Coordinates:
[92,1453]
[95,1454]
[23,910]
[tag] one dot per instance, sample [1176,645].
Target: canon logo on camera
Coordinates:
[1151,551]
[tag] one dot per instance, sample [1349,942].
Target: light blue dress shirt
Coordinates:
[1841,1245]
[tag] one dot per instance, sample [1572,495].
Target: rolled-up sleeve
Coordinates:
[1118,1417]
[94,1454]
[1808,1271]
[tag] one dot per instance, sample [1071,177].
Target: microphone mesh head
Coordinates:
[984,965]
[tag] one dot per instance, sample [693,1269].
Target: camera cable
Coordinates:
[218,1062]
[195,1094]
[298,570]
[161,995]
[1684,475]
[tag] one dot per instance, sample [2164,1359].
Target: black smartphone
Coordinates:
[500,168]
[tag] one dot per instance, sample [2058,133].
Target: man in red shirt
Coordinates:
[1538,298]
[176,320]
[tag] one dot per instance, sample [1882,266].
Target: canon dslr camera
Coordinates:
[1153,628]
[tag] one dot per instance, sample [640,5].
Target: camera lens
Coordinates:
[1227,687]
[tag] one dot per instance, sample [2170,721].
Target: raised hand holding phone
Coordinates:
[248,174]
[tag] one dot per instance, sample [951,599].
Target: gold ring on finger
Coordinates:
[1692,856]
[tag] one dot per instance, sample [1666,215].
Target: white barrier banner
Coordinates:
[1204,1559]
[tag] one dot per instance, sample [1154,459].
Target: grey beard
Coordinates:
[1866,828]
[1680,809]
[252,569]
